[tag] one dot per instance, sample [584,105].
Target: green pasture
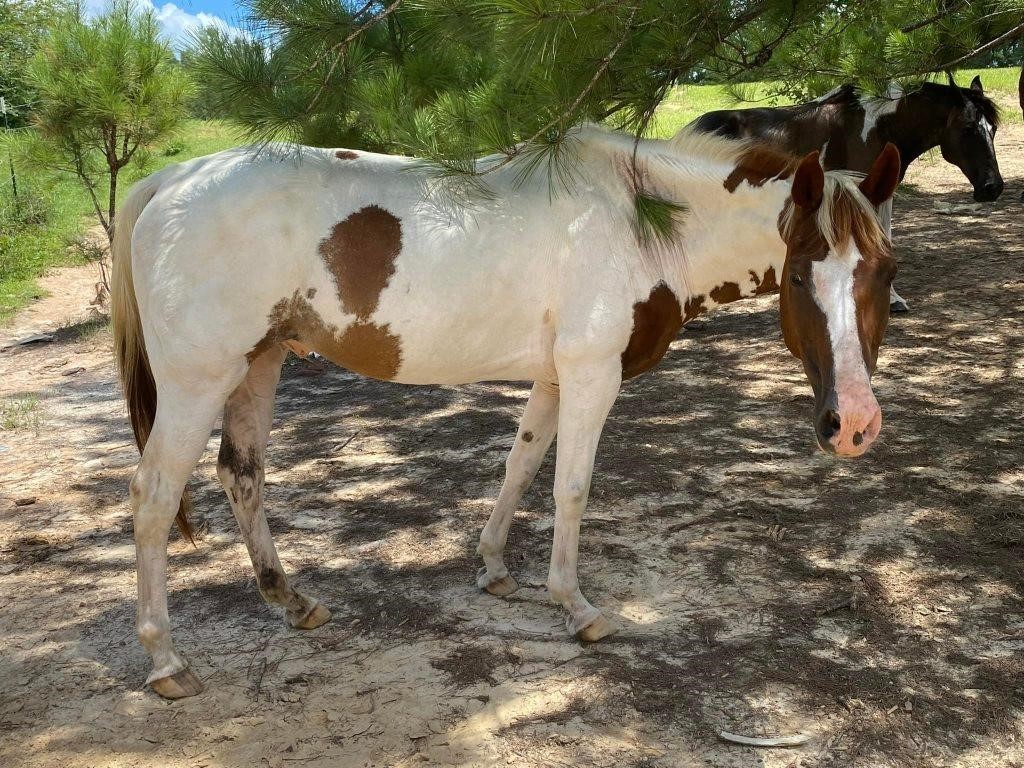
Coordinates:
[53,211]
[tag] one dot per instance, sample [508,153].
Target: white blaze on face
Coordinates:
[990,133]
[859,415]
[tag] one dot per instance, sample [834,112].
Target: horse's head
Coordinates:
[835,294]
[967,140]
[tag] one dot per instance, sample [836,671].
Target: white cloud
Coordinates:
[176,22]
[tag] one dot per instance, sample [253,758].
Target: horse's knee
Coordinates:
[571,493]
[142,487]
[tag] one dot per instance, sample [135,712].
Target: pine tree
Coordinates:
[106,89]
[450,80]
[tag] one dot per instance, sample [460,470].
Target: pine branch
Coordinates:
[339,50]
[1003,39]
[932,19]
[571,109]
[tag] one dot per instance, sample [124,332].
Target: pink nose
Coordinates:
[856,430]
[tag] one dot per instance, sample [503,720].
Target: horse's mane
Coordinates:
[851,95]
[847,95]
[844,213]
[947,93]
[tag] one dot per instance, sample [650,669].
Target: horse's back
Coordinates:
[347,253]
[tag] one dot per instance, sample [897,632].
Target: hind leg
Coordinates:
[247,418]
[536,431]
[181,428]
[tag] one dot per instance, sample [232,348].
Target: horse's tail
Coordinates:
[129,344]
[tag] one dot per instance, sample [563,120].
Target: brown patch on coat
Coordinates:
[364,347]
[764,284]
[656,321]
[694,307]
[311,293]
[369,349]
[346,154]
[725,293]
[757,165]
[527,437]
[360,253]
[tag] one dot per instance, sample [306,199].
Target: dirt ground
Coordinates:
[762,587]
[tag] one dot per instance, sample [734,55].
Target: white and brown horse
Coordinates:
[850,129]
[222,261]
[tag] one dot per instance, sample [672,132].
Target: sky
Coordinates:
[178,18]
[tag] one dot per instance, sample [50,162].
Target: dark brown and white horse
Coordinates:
[850,130]
[222,261]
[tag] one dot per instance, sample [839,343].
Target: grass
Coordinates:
[56,211]
[688,102]
[19,412]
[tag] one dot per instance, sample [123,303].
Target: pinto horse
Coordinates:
[222,261]
[850,130]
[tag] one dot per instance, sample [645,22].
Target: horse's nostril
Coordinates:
[830,424]
[858,438]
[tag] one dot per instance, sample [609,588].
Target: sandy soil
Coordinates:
[762,587]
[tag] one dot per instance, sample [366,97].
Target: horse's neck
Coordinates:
[915,126]
[728,244]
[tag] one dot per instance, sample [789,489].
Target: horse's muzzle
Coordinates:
[989,191]
[849,432]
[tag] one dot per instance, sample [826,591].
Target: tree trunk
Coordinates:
[112,205]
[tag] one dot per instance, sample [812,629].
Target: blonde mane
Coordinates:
[844,213]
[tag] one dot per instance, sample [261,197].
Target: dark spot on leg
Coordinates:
[271,582]
[247,463]
[656,321]
[527,437]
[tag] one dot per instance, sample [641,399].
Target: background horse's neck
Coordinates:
[914,126]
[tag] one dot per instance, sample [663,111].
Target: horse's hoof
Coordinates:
[502,587]
[179,685]
[898,306]
[598,628]
[315,617]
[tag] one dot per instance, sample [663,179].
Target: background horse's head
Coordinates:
[968,138]
[835,294]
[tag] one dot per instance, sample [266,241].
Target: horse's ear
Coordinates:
[976,84]
[952,82]
[809,183]
[881,181]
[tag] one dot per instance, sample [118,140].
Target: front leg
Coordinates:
[588,391]
[896,302]
[536,431]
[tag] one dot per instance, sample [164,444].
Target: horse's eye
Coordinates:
[796,279]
